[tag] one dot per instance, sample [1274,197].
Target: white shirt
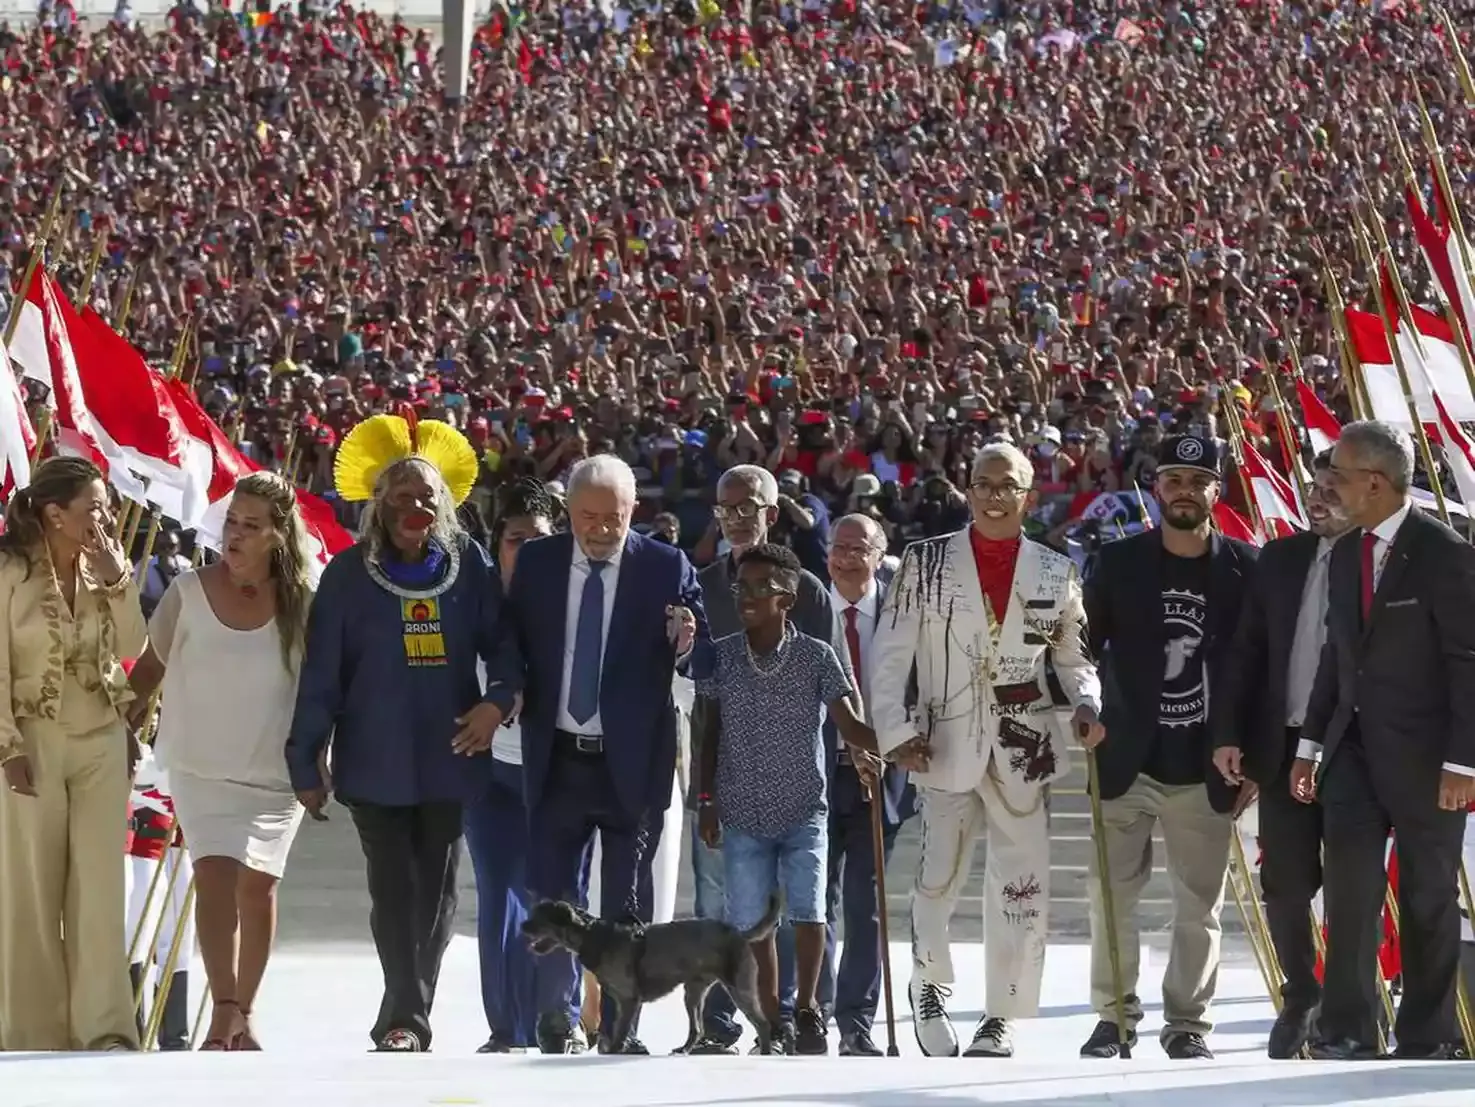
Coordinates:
[1385,532]
[577,576]
[1310,636]
[866,613]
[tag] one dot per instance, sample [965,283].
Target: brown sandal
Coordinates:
[244,1041]
[221,1045]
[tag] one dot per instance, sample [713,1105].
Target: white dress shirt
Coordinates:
[1385,532]
[1310,636]
[577,576]
[866,612]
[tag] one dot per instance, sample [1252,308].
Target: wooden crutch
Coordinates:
[1108,906]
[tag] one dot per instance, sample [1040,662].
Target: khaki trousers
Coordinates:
[63,948]
[1197,840]
[1016,892]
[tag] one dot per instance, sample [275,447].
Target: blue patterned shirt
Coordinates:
[771,760]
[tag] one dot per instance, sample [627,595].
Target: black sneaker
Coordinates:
[557,1033]
[1105,1041]
[858,1043]
[634,1047]
[1185,1045]
[811,1038]
[708,1046]
[1292,1030]
[784,1038]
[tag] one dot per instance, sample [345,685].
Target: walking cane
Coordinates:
[1108,905]
[878,845]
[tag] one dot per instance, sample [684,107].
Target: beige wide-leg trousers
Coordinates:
[1196,839]
[63,948]
[1016,890]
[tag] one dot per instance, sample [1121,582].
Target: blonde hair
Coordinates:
[289,572]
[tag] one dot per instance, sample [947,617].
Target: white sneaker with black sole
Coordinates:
[934,1030]
[993,1038]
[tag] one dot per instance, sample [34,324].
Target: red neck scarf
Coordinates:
[995,561]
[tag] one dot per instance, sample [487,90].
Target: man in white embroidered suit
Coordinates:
[960,686]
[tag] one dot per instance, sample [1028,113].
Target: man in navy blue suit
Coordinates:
[851,988]
[603,617]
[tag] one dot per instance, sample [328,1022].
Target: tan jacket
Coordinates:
[57,666]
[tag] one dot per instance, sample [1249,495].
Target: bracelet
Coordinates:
[704,799]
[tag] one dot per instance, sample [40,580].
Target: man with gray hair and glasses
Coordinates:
[746,509]
[1389,745]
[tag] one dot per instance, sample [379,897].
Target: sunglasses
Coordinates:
[759,590]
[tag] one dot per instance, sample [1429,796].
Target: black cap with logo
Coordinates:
[1189,451]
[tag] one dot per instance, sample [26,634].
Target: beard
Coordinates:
[1179,519]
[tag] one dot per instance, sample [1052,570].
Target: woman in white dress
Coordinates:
[226,641]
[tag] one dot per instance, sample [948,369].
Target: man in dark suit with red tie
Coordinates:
[1389,744]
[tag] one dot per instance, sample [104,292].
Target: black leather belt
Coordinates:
[580,745]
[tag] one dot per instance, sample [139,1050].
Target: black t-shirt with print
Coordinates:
[1178,755]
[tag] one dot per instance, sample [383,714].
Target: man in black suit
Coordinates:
[851,988]
[1389,743]
[1162,607]
[1272,669]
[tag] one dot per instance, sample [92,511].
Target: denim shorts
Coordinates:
[755,867]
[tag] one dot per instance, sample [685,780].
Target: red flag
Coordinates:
[1321,425]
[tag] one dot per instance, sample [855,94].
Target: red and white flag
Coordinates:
[1445,372]
[1322,427]
[17,436]
[1275,499]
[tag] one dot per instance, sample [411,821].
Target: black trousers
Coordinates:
[1360,808]
[1290,877]
[411,854]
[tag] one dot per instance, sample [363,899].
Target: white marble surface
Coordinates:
[318,1002]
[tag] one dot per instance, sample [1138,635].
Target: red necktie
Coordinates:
[852,642]
[1369,544]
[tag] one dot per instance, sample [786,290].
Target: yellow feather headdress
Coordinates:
[379,442]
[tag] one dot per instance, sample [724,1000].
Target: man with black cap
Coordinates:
[1162,607]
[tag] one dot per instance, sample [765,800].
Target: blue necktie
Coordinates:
[583,685]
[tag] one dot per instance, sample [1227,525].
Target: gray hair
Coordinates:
[602,471]
[759,479]
[1019,465]
[447,528]
[1385,448]
[874,534]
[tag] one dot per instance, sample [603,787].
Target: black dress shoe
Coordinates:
[1449,1051]
[858,1043]
[708,1046]
[1343,1049]
[1291,1032]
[634,1047]
[500,1043]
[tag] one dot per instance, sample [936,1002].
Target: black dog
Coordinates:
[637,965]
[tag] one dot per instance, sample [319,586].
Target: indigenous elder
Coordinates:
[496,821]
[1163,606]
[604,617]
[72,615]
[226,641]
[390,674]
[959,671]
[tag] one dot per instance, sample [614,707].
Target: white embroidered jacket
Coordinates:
[978,686]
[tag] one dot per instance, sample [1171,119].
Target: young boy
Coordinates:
[764,772]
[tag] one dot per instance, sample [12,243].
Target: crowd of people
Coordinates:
[790,288]
[850,242]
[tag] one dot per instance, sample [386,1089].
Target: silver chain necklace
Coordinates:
[778,656]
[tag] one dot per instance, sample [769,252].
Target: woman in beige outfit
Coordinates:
[226,642]
[71,614]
